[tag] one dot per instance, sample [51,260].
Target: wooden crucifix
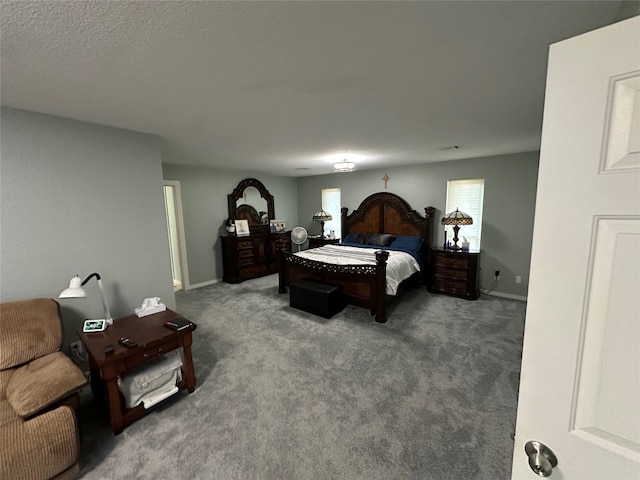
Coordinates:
[386,179]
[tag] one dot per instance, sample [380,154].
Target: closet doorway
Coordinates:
[175,230]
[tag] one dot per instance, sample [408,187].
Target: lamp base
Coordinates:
[455,247]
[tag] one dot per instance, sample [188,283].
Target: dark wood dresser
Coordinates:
[253,256]
[455,273]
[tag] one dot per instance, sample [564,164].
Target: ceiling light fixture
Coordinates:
[344,166]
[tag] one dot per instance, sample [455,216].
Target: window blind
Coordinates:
[467,196]
[331,203]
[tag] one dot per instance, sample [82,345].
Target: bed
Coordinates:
[365,283]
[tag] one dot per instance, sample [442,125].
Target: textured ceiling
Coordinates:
[283,87]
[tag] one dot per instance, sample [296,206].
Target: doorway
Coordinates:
[175,231]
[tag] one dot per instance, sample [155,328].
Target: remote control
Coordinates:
[127,342]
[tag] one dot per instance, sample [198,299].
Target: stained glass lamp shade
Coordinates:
[456,219]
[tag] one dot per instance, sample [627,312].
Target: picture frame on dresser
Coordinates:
[278,226]
[242,228]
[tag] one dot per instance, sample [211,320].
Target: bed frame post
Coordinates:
[429,213]
[379,300]
[343,225]
[282,276]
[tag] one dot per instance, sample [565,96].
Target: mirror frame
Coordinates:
[238,192]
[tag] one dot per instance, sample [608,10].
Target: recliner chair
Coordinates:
[38,428]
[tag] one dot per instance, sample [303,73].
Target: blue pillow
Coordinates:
[350,238]
[407,243]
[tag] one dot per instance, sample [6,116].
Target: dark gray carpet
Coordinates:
[283,394]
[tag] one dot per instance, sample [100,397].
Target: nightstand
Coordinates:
[455,273]
[315,242]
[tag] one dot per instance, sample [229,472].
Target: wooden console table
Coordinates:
[108,359]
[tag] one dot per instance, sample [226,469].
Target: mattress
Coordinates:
[400,265]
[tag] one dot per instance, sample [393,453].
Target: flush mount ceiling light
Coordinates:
[344,166]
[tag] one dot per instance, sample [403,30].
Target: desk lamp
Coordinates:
[322,217]
[456,219]
[75,290]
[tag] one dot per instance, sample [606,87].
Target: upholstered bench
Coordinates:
[317,298]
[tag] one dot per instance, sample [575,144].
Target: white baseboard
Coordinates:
[202,284]
[522,298]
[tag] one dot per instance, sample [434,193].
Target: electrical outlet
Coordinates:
[496,275]
[75,347]
[518,279]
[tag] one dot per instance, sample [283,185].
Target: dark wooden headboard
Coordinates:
[388,213]
[248,213]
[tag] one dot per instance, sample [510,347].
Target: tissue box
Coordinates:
[155,380]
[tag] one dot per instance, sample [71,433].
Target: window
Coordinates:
[331,204]
[467,196]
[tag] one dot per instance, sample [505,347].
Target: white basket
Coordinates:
[152,382]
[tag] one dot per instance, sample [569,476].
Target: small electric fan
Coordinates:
[299,236]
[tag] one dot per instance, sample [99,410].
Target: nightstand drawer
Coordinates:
[449,284]
[450,261]
[442,272]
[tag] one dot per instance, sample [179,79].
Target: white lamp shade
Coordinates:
[75,289]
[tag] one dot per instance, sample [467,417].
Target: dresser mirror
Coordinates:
[252,205]
[251,201]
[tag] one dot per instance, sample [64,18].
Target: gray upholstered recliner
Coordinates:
[38,429]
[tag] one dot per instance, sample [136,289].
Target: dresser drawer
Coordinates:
[245,253]
[245,244]
[242,261]
[146,355]
[447,261]
[253,271]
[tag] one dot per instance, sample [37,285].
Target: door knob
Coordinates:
[541,458]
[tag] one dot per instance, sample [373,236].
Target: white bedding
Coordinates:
[400,265]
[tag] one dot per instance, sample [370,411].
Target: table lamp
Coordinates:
[322,217]
[75,290]
[456,219]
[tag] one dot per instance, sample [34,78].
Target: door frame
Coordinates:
[182,248]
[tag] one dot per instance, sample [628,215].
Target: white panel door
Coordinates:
[580,382]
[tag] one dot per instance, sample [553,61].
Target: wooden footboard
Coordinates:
[363,285]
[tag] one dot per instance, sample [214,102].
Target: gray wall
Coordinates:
[509,203]
[79,198]
[204,205]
